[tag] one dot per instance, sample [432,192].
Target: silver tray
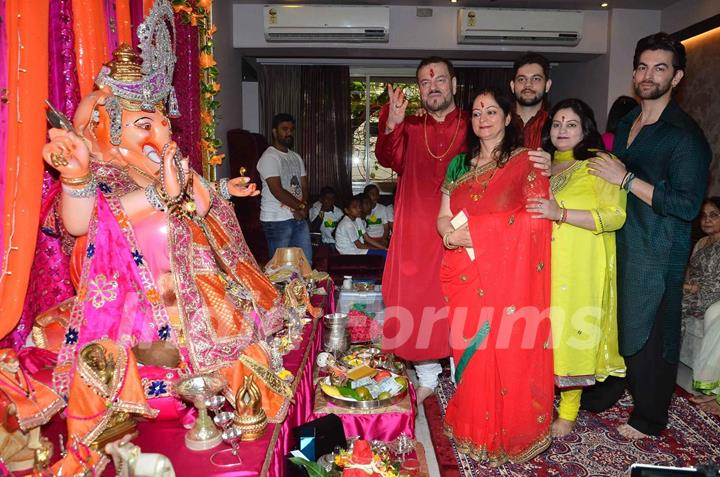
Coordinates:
[371,404]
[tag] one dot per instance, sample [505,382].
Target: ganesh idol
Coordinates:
[159,262]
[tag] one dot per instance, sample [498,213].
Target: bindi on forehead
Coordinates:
[482,104]
[562,118]
[432,72]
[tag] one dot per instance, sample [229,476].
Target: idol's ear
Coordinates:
[84,111]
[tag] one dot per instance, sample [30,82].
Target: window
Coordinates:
[368,94]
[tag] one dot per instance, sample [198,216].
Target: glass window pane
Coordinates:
[377,91]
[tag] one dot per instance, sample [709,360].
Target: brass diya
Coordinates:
[250,418]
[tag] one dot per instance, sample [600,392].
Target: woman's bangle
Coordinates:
[88,190]
[446,240]
[563,216]
[77,181]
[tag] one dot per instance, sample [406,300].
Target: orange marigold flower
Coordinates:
[204,3]
[216,87]
[194,19]
[207,60]
[182,9]
[153,296]
[212,30]
[217,159]
[206,117]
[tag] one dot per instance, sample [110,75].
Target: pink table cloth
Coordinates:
[265,456]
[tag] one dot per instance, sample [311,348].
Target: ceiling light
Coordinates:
[453,1]
[604,4]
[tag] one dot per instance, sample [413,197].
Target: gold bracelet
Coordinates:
[77,181]
[446,240]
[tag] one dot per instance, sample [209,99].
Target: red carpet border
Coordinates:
[594,448]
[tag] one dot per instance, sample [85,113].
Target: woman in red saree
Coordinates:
[496,280]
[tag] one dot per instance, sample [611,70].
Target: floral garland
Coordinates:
[199,14]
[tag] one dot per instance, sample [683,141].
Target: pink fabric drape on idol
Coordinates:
[3,116]
[186,129]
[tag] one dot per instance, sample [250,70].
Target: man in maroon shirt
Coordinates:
[531,82]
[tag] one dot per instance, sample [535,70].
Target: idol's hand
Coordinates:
[541,160]
[172,186]
[540,208]
[398,105]
[67,153]
[242,187]
[608,167]
[460,237]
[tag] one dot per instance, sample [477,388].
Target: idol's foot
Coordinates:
[561,427]
[629,432]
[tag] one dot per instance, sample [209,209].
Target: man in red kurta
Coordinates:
[419,149]
[531,82]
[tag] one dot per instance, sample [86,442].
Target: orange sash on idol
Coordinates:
[92,402]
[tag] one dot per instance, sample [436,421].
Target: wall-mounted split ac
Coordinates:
[496,26]
[326,23]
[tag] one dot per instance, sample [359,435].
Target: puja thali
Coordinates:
[363,378]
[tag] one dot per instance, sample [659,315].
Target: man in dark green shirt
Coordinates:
[664,160]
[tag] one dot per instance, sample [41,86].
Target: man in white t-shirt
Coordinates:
[283,205]
[325,215]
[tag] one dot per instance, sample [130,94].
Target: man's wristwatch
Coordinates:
[301,206]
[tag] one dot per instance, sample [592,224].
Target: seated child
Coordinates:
[325,215]
[351,237]
[377,220]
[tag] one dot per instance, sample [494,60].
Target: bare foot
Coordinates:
[629,432]
[701,398]
[711,407]
[561,427]
[423,392]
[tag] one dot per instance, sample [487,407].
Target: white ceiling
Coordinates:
[552,4]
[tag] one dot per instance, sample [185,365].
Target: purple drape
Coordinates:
[50,261]
[186,129]
[136,18]
[3,118]
[64,91]
[111,25]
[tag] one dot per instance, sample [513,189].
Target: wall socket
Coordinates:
[424,12]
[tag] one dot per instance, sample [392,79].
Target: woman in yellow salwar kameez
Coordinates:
[587,210]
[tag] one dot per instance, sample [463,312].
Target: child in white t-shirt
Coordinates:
[325,215]
[350,235]
[378,221]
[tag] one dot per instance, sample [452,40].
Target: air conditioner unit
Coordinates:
[329,24]
[500,26]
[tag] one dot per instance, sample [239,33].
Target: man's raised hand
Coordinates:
[398,105]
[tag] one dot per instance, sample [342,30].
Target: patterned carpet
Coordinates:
[595,448]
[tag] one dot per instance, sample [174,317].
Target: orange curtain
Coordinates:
[147,5]
[91,49]
[27,35]
[124,25]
